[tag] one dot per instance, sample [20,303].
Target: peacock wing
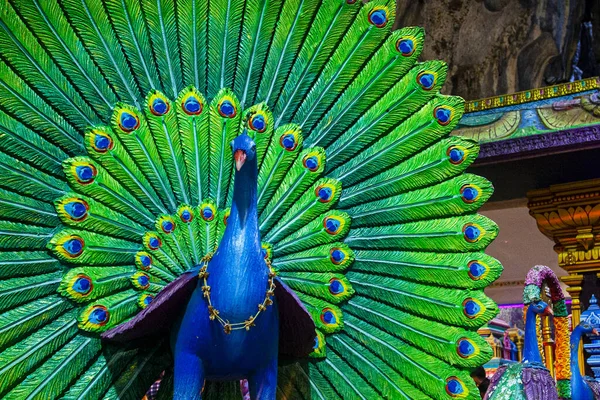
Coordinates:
[538,383]
[594,385]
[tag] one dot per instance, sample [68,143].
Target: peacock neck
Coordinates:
[531,351]
[579,389]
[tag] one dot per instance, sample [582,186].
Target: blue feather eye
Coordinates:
[456,154]
[312,163]
[73,247]
[99,315]
[325,193]
[85,173]
[336,287]
[82,285]
[257,122]
[332,225]
[466,348]
[226,217]
[477,270]
[472,308]
[443,115]
[227,109]
[472,233]
[143,260]
[406,47]
[378,17]
[101,142]
[426,80]
[145,300]
[152,241]
[192,105]
[208,212]
[469,193]
[186,214]
[328,316]
[316,343]
[288,141]
[337,255]
[166,224]
[454,387]
[76,209]
[128,122]
[140,280]
[159,106]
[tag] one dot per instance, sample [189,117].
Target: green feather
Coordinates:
[165,132]
[92,25]
[102,282]
[357,46]
[165,254]
[294,21]
[346,381]
[277,161]
[414,134]
[161,22]
[447,305]
[206,227]
[27,145]
[318,285]
[224,23]
[24,320]
[56,374]
[193,37]
[376,80]
[18,208]
[317,259]
[134,38]
[15,236]
[176,240]
[449,234]
[223,130]
[303,173]
[315,233]
[97,218]
[317,308]
[429,167]
[17,291]
[96,249]
[50,25]
[321,388]
[262,138]
[193,129]
[318,199]
[260,17]
[27,263]
[442,200]
[118,308]
[117,161]
[24,357]
[439,269]
[31,61]
[327,28]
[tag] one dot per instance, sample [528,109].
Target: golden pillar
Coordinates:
[569,214]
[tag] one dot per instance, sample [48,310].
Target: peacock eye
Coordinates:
[254,148]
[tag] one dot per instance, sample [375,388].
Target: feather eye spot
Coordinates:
[288,142]
[477,270]
[257,123]
[167,225]
[82,285]
[208,214]
[74,246]
[192,105]
[466,348]
[406,47]
[324,193]
[226,217]
[337,256]
[77,209]
[328,317]
[146,300]
[316,343]
[332,225]
[128,122]
[227,109]
[99,315]
[102,142]
[336,287]
[472,233]
[152,241]
[456,154]
[143,260]
[311,163]
[454,387]
[378,17]
[85,174]
[426,80]
[159,107]
[469,194]
[186,215]
[443,115]
[472,308]
[143,281]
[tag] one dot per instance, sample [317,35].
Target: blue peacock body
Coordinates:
[174,170]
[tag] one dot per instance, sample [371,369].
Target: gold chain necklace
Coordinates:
[215,314]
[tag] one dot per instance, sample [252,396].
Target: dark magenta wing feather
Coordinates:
[494,380]
[158,317]
[296,326]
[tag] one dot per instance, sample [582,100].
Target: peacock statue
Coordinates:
[216,190]
[582,387]
[530,379]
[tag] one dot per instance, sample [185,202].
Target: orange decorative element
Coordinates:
[562,350]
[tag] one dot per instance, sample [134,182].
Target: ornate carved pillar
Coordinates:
[569,214]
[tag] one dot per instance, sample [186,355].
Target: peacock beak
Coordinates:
[240,158]
[548,311]
[594,331]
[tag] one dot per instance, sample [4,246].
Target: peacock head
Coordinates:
[586,327]
[541,307]
[244,149]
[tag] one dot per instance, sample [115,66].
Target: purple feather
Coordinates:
[538,384]
[594,385]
